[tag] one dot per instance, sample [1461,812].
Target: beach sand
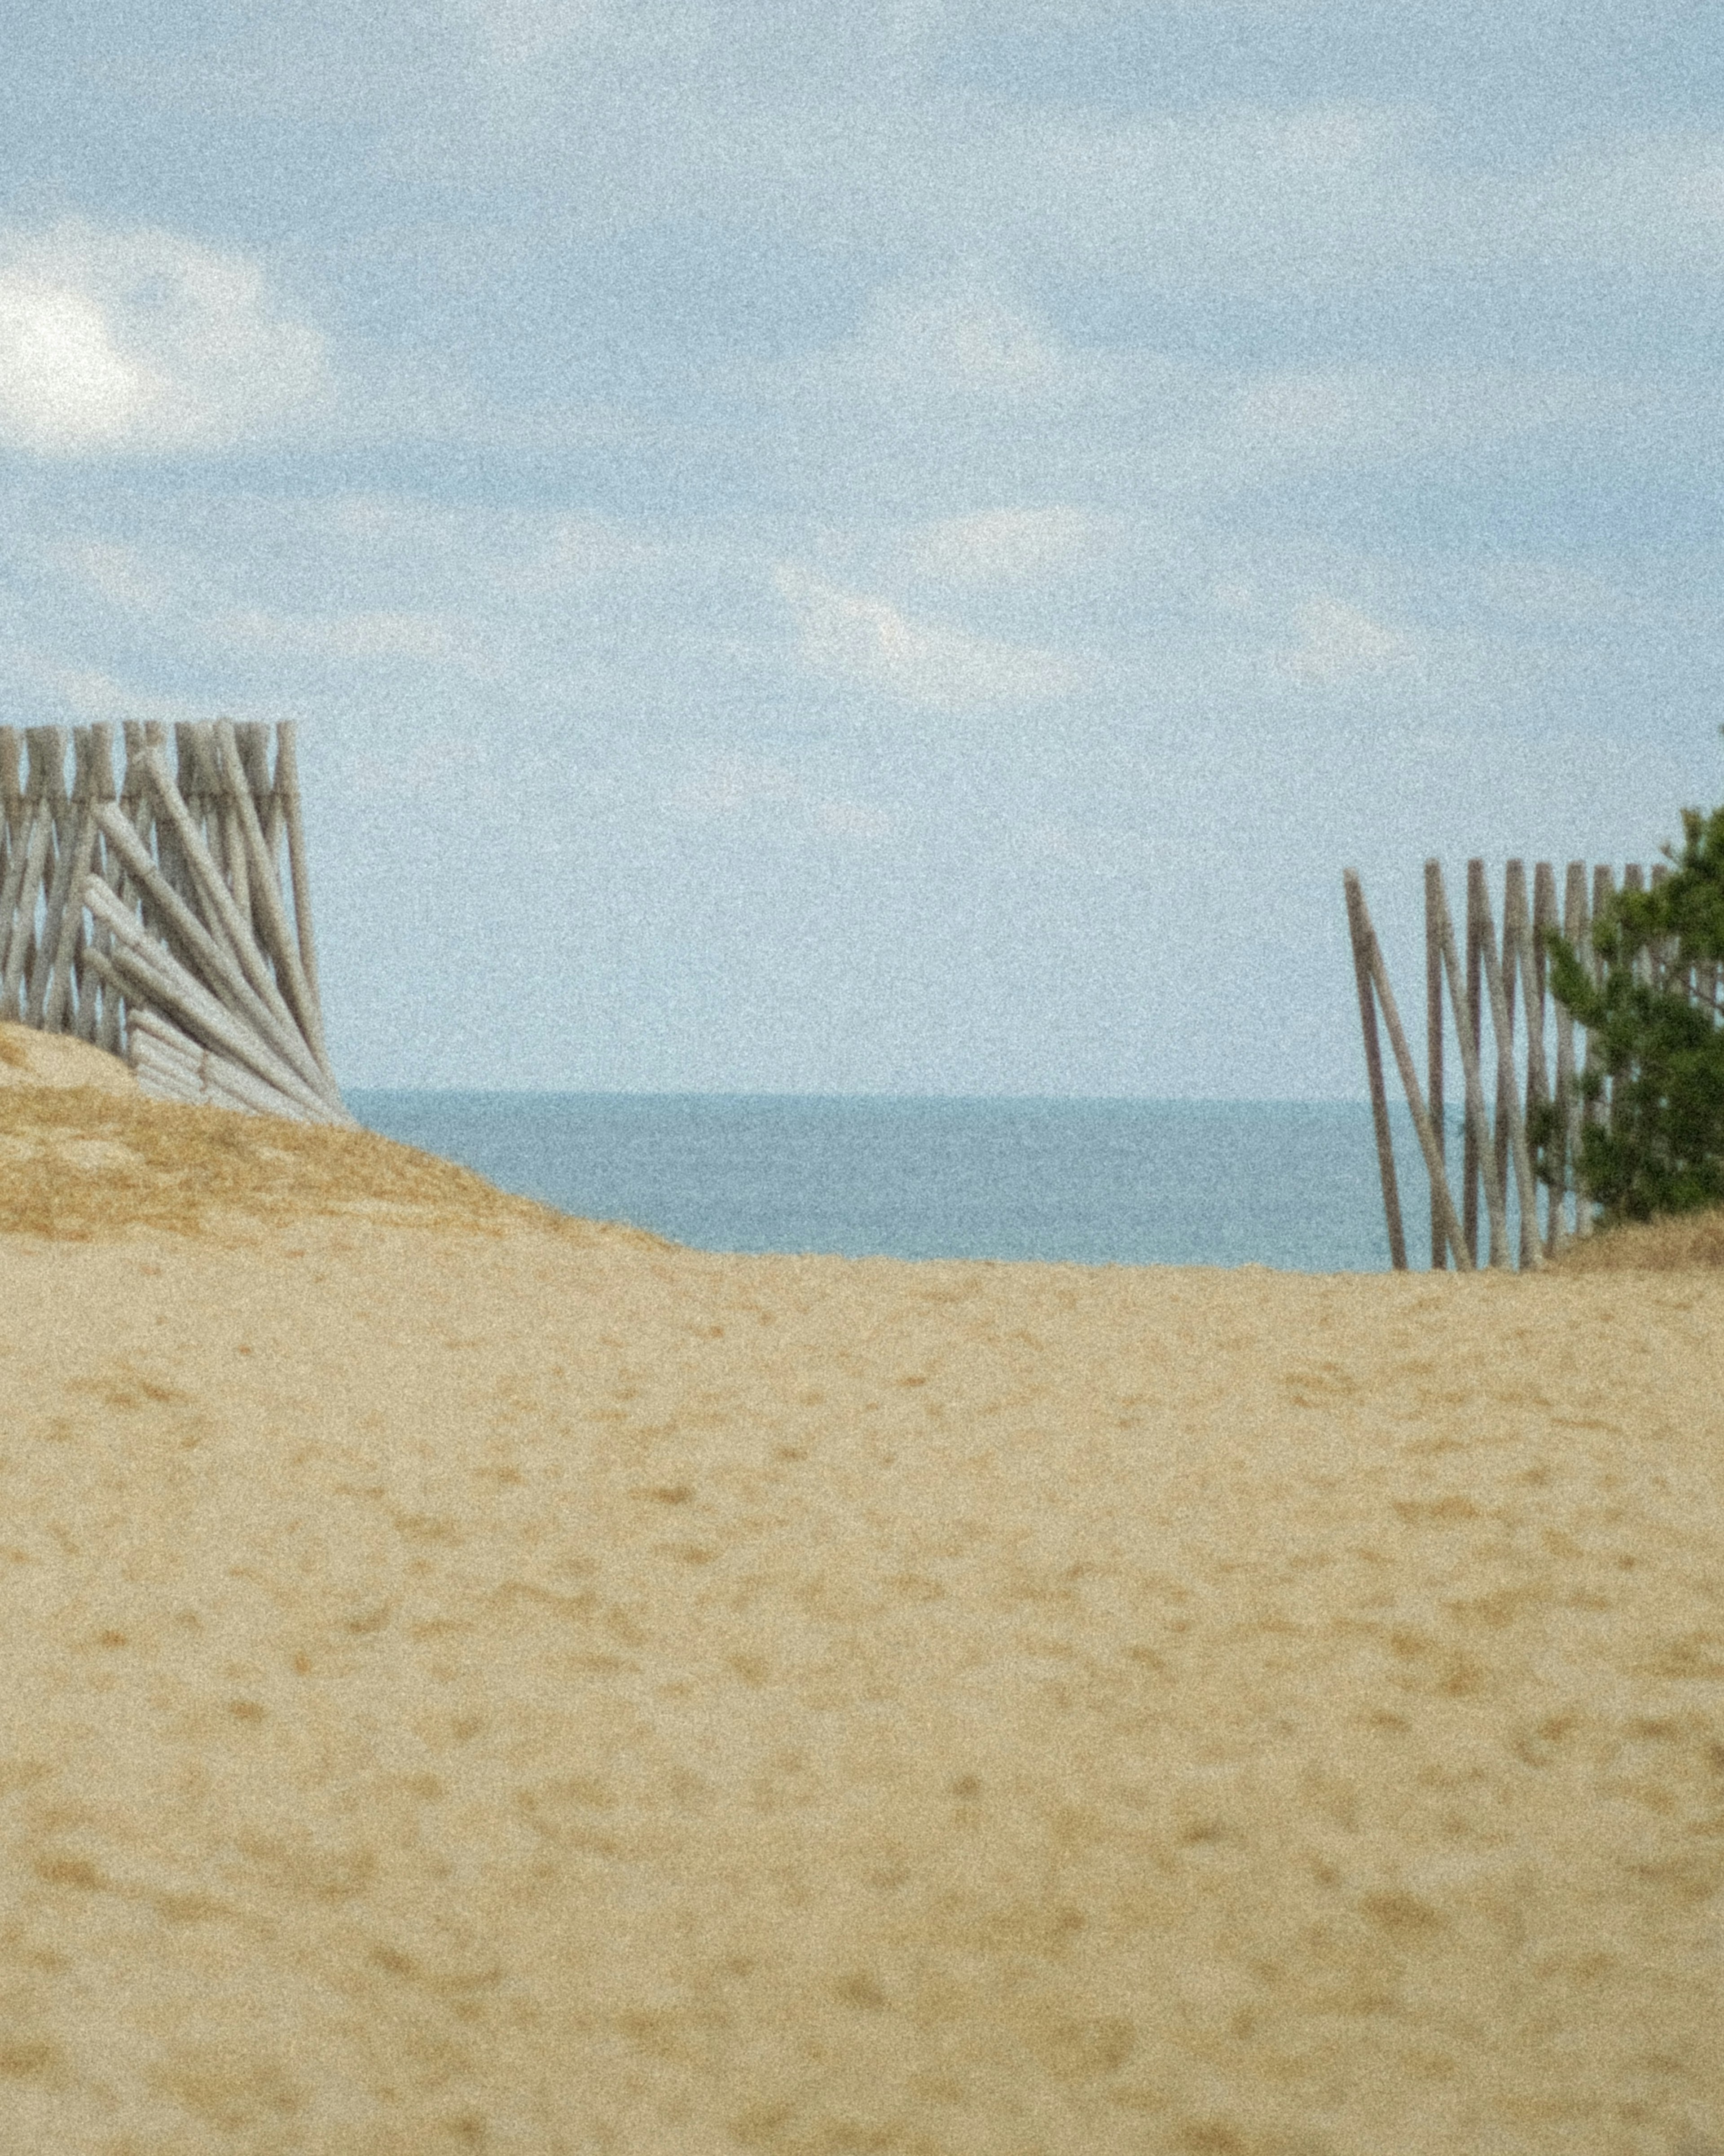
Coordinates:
[474,1681]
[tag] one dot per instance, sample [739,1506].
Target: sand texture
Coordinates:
[473,1681]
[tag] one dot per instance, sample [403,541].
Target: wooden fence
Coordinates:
[151,918]
[1521,1074]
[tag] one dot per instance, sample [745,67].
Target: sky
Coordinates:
[884,549]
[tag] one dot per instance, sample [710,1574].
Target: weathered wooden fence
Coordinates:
[1502,1091]
[151,917]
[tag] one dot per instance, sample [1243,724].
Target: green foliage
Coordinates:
[1661,1149]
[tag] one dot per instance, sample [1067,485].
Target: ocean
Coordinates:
[1291,1185]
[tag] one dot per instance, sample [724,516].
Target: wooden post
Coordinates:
[1433,1051]
[1500,1125]
[1476,1136]
[93,1015]
[12,809]
[1634,877]
[194,788]
[1576,933]
[287,793]
[53,744]
[47,778]
[153,829]
[1544,920]
[42,972]
[1477,1117]
[138,805]
[1526,1189]
[11,885]
[1521,957]
[1358,924]
[1665,954]
[254,739]
[1377,977]
[65,913]
[266,892]
[1603,893]
[223,786]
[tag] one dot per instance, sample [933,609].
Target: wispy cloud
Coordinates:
[143,343]
[867,643]
[950,338]
[1338,646]
[1011,546]
[87,696]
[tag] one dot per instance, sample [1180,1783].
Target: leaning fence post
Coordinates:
[1358,925]
[287,790]
[1365,943]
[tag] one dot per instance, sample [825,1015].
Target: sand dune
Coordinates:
[478,1681]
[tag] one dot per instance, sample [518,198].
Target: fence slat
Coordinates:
[1507,1091]
[1433,1051]
[1472,1166]
[1481,1162]
[266,892]
[1544,920]
[287,793]
[1358,922]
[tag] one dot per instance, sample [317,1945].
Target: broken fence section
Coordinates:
[1504,974]
[151,917]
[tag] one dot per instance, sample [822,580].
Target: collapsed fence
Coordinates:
[151,917]
[1498,1157]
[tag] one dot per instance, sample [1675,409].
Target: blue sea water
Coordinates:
[1291,1184]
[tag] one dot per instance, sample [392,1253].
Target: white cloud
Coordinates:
[1339,646]
[94,698]
[869,643]
[1009,545]
[957,340]
[142,343]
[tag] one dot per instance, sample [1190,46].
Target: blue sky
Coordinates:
[886,549]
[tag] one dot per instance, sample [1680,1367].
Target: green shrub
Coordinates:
[1660,1148]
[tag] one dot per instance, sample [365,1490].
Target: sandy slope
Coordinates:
[478,1682]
